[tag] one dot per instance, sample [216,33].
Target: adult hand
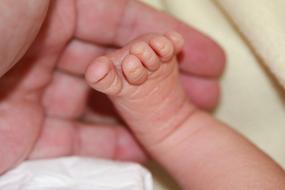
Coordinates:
[43,99]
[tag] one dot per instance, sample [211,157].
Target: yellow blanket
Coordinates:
[252,32]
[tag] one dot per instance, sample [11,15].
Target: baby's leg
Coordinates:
[201,153]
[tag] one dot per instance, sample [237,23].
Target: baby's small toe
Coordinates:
[176,39]
[163,47]
[146,54]
[133,70]
[101,76]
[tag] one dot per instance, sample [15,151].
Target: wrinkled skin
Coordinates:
[44,98]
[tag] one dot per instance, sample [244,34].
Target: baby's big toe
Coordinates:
[102,76]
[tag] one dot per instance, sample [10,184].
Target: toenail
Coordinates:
[176,38]
[103,59]
[138,48]
[97,70]
[132,63]
[158,43]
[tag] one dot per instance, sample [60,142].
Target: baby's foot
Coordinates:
[142,80]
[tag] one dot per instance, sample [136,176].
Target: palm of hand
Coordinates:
[25,111]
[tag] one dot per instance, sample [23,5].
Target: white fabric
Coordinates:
[77,174]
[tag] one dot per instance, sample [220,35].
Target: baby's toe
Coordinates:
[163,47]
[133,70]
[102,76]
[177,40]
[146,55]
